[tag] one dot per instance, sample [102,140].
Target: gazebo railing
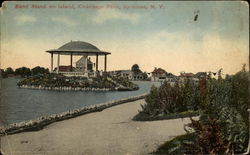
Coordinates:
[74,73]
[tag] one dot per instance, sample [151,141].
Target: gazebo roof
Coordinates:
[78,48]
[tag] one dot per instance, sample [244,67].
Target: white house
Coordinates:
[158,74]
[122,73]
[161,75]
[84,64]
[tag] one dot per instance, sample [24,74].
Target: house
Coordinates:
[158,74]
[129,74]
[200,75]
[80,64]
[161,75]
[140,76]
[183,76]
[122,73]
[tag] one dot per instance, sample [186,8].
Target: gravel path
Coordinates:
[110,132]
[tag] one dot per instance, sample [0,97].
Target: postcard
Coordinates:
[124,77]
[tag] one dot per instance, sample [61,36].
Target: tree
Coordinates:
[9,70]
[23,71]
[39,70]
[3,74]
[145,75]
[152,106]
[135,68]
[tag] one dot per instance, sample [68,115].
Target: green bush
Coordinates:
[208,138]
[227,101]
[172,99]
[224,122]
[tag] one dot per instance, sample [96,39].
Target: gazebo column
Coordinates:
[96,62]
[105,63]
[85,63]
[71,59]
[58,62]
[51,64]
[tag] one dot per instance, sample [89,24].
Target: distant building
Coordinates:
[80,64]
[200,75]
[183,76]
[158,74]
[122,73]
[194,77]
[161,75]
[125,74]
[138,76]
[129,74]
[171,79]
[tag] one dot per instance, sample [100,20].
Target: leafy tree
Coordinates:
[39,70]
[135,68]
[191,95]
[9,70]
[23,71]
[145,75]
[3,74]
[152,106]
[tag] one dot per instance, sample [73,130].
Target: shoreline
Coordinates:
[111,131]
[41,122]
[65,88]
[76,89]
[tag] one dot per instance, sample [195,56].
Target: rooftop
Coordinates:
[187,75]
[78,45]
[159,71]
[78,48]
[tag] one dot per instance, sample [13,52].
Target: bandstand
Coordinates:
[78,48]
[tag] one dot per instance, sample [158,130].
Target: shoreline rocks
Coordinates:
[39,123]
[65,88]
[75,89]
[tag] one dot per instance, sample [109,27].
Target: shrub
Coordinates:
[208,138]
[227,101]
[176,146]
[169,99]
[152,107]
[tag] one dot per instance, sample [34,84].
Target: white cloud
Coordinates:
[108,14]
[24,19]
[64,20]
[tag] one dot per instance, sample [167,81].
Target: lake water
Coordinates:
[18,104]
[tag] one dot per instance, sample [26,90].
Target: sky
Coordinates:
[150,34]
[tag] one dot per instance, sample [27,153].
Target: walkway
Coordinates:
[110,132]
